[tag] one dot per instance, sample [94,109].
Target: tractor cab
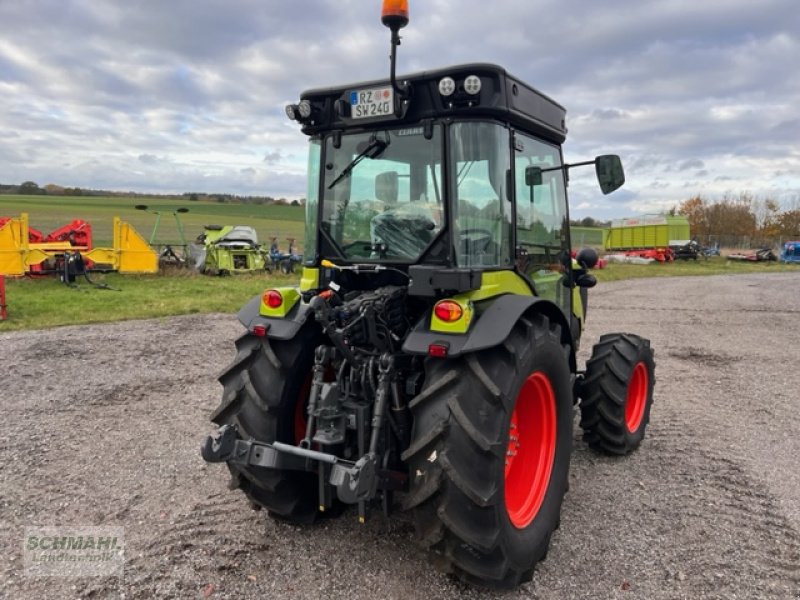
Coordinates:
[444,175]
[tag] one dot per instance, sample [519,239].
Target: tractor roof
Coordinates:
[502,96]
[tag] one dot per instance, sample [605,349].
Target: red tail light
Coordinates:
[272,298]
[448,311]
[438,350]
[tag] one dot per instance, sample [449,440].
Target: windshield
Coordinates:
[383,193]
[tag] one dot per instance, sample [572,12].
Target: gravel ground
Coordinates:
[103,426]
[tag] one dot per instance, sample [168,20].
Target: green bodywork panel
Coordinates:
[460,326]
[495,283]
[577,301]
[291,296]
[212,235]
[309,279]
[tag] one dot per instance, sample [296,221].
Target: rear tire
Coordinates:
[487,516]
[617,393]
[262,389]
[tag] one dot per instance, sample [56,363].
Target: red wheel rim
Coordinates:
[637,397]
[531,449]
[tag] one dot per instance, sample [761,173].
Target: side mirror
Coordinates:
[533,176]
[609,172]
[386,187]
[587,258]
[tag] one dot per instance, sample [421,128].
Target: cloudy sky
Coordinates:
[698,97]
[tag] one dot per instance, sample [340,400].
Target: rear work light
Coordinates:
[447,86]
[472,85]
[304,108]
[273,298]
[448,311]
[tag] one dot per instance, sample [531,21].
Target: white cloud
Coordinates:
[177,96]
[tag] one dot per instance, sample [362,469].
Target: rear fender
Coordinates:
[490,328]
[278,329]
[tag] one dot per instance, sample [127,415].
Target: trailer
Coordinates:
[647,236]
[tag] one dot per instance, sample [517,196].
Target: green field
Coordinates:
[42,303]
[47,213]
[45,302]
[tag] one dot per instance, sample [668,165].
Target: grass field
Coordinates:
[42,303]
[47,213]
[45,302]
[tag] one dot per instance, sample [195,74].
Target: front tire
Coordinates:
[489,456]
[617,393]
[265,392]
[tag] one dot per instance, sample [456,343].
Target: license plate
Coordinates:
[377,102]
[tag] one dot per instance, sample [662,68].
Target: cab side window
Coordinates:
[542,226]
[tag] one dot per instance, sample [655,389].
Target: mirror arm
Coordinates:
[568,166]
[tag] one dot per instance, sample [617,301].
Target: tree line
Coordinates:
[31,188]
[741,216]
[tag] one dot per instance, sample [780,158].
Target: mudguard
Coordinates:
[490,329]
[278,329]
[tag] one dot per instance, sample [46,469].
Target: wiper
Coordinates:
[373,150]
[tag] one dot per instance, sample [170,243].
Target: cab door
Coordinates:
[542,222]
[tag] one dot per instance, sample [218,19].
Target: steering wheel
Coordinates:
[357,249]
[478,244]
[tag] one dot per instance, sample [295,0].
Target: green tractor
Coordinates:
[427,362]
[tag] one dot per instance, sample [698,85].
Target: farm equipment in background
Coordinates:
[283,261]
[686,249]
[762,255]
[428,359]
[24,250]
[224,249]
[660,254]
[166,252]
[646,237]
[78,234]
[790,252]
[692,250]
[75,236]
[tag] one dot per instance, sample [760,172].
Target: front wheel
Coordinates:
[617,393]
[489,456]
